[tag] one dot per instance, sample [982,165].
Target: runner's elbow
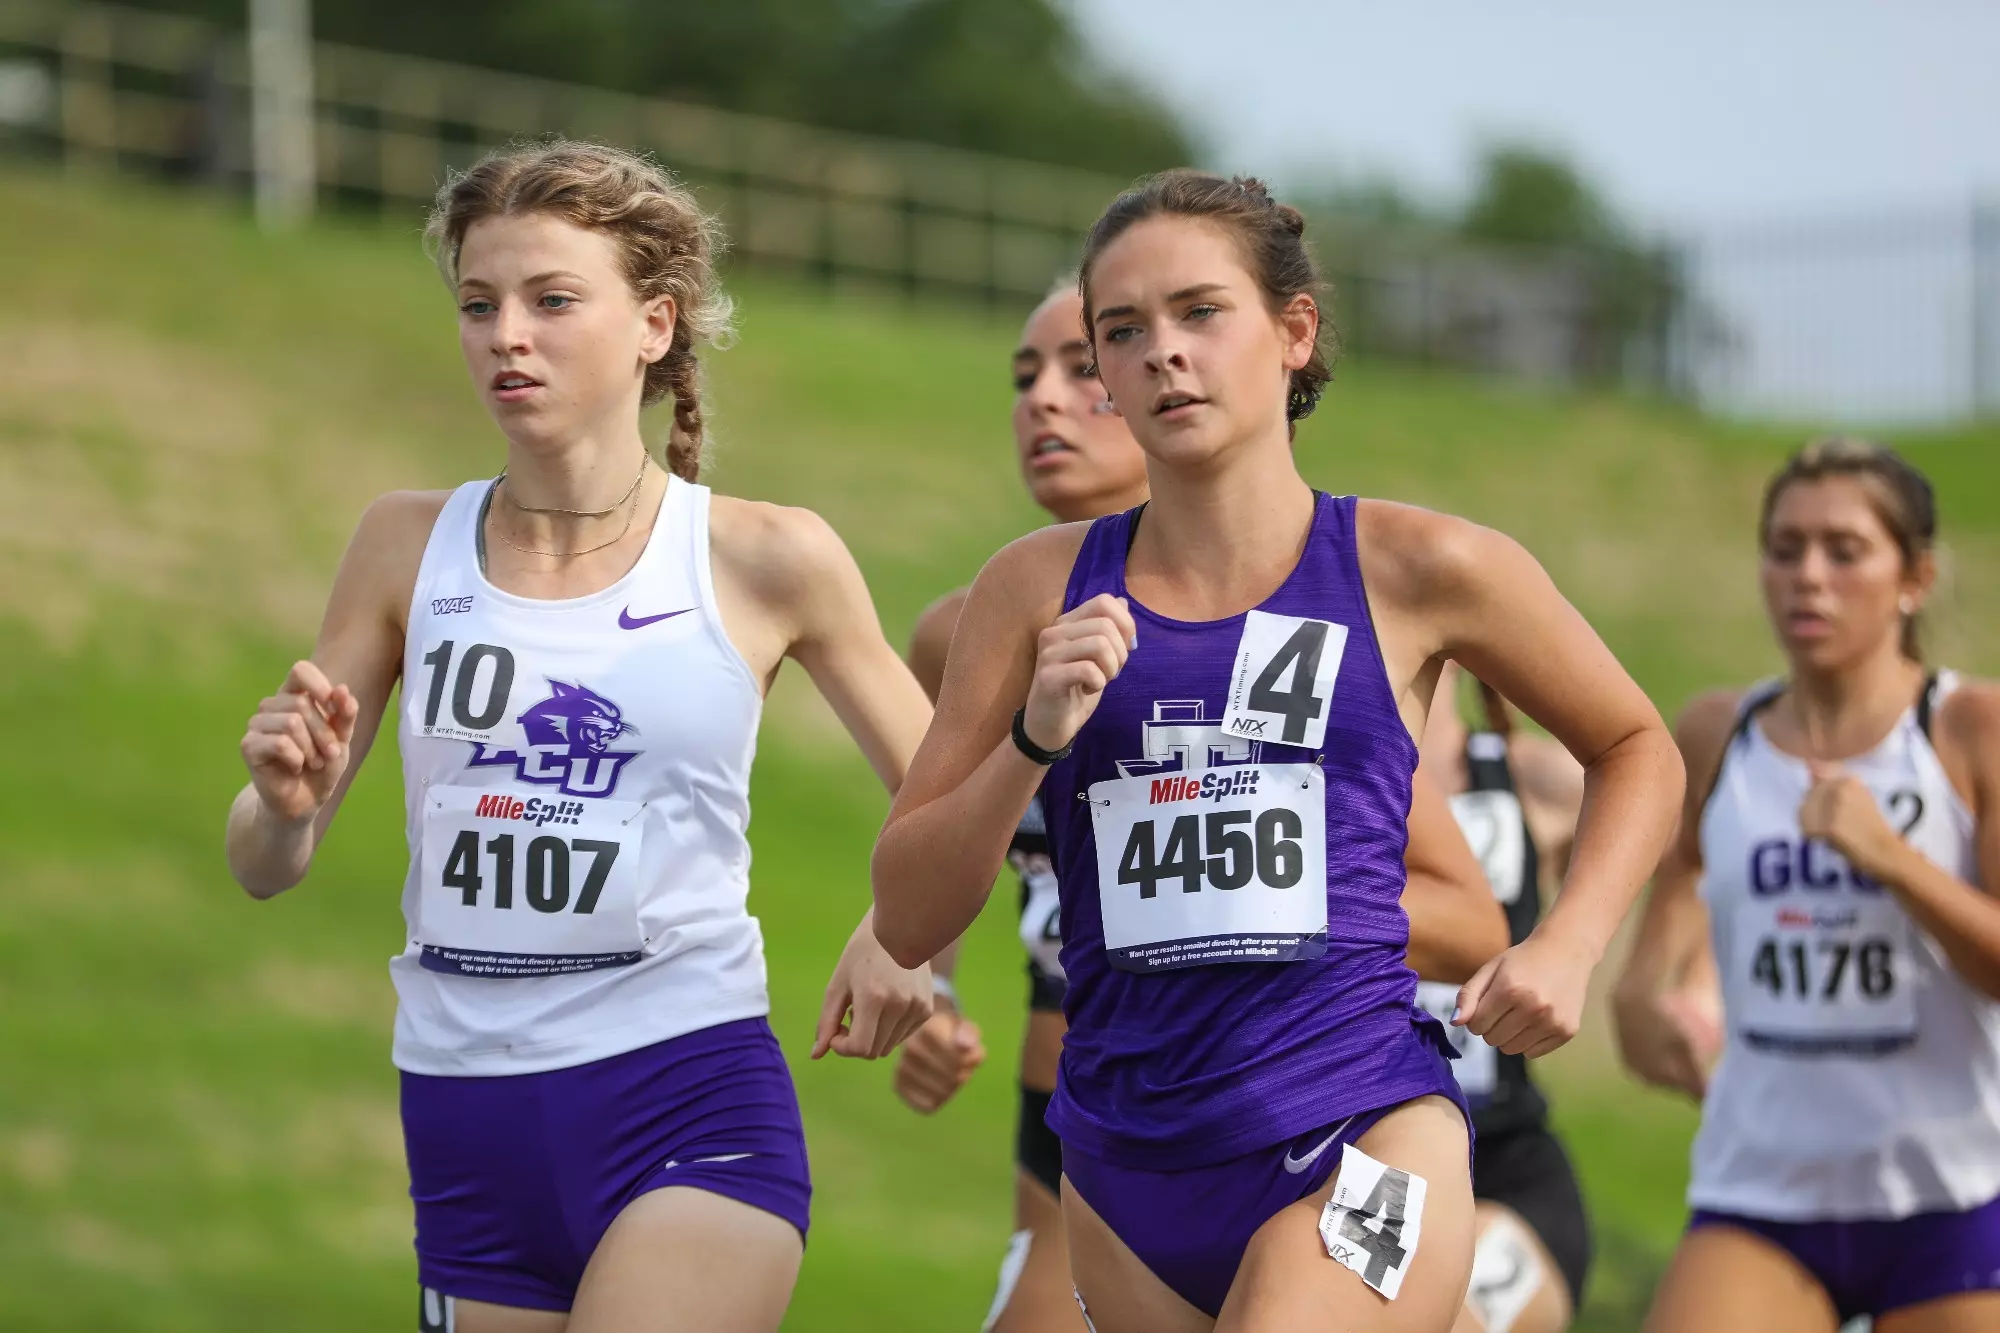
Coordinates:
[895,922]
[261,884]
[902,938]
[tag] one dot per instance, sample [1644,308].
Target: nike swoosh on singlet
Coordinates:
[626,620]
[1297,1164]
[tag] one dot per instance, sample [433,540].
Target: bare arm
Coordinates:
[950,825]
[789,588]
[930,640]
[930,645]
[1549,782]
[1448,588]
[1963,920]
[1664,1009]
[306,742]
[1456,925]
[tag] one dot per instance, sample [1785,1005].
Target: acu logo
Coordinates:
[569,737]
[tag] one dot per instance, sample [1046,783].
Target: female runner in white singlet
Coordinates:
[601,1131]
[1841,845]
[1079,461]
[1259,1132]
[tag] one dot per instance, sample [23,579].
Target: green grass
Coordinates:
[197,1119]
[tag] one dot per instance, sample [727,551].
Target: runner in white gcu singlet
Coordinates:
[1862,1075]
[1824,922]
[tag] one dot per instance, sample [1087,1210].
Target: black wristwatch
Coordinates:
[1032,750]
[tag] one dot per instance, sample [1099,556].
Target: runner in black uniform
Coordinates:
[1534,1237]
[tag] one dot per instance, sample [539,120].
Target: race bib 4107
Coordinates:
[516,886]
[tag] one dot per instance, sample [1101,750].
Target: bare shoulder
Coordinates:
[1706,720]
[936,621]
[1412,555]
[1030,573]
[388,543]
[930,640]
[778,551]
[1701,731]
[401,519]
[1969,721]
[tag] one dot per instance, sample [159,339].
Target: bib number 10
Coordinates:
[1226,848]
[547,882]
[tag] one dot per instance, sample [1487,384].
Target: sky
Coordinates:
[1690,114]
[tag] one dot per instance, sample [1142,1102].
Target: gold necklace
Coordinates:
[501,481]
[630,517]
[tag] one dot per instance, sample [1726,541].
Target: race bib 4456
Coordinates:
[1225,865]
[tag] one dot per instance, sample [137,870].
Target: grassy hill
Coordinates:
[198,1124]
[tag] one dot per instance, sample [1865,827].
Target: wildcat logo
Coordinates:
[569,736]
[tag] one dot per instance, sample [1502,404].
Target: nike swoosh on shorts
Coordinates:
[1297,1164]
[626,620]
[697,1161]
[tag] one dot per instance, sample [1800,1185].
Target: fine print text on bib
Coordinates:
[528,886]
[1823,977]
[1229,866]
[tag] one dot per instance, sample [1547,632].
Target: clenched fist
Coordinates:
[1075,658]
[296,746]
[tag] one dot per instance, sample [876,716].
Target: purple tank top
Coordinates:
[1215,1007]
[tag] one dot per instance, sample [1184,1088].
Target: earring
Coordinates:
[1103,407]
[1907,604]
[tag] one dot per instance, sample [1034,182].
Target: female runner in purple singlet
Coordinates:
[1216,697]
[1080,462]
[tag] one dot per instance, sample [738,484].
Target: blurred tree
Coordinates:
[1527,196]
[1530,198]
[1003,76]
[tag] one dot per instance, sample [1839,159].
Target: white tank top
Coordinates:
[1860,1077]
[576,775]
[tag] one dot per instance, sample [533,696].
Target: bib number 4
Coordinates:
[1374,1220]
[1281,687]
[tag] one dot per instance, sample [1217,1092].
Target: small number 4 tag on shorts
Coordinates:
[1373,1221]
